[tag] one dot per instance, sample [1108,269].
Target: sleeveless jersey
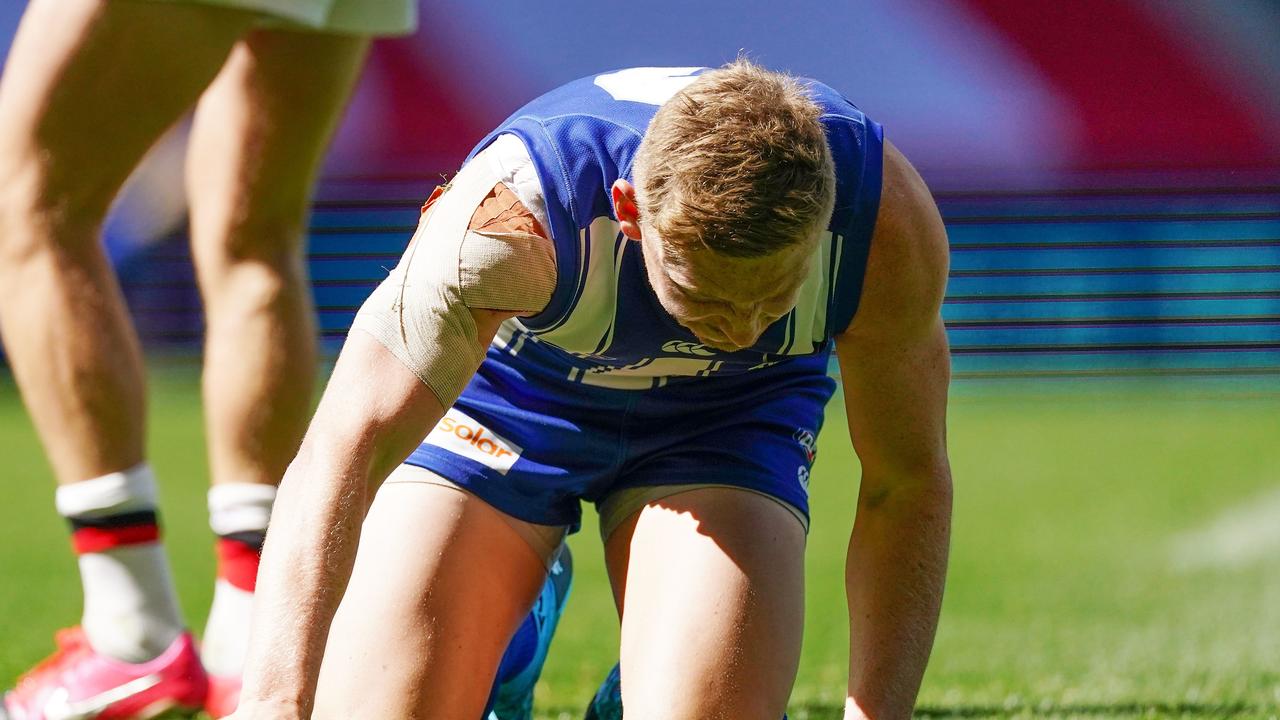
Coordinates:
[604,325]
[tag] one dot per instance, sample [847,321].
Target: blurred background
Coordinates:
[1109,171]
[1108,168]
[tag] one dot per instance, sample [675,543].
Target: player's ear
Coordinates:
[625,209]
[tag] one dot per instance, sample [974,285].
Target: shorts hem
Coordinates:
[613,517]
[290,14]
[482,485]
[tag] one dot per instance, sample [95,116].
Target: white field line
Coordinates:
[1241,536]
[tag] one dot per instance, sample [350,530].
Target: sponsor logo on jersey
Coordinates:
[808,441]
[463,435]
[687,348]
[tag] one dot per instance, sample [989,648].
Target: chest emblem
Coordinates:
[687,348]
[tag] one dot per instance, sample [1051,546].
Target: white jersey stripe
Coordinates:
[592,313]
[621,245]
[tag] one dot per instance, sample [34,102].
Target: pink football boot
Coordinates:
[76,683]
[224,695]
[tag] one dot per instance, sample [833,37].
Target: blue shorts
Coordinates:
[534,444]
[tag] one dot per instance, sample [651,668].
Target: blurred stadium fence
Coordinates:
[1075,283]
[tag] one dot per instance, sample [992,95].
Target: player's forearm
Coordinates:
[306,565]
[894,575]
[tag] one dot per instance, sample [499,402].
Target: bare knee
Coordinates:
[251,263]
[41,213]
[246,232]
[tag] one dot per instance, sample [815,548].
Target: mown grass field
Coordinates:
[1116,554]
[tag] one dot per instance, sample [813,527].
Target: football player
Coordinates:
[628,295]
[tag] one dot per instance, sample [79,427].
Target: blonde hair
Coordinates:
[737,162]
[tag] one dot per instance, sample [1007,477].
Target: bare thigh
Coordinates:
[710,585]
[260,134]
[89,85]
[441,582]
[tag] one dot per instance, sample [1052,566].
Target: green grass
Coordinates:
[1063,599]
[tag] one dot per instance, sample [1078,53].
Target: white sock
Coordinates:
[226,635]
[130,608]
[238,514]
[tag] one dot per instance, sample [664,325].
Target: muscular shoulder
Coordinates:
[505,260]
[907,269]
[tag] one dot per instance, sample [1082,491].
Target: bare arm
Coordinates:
[895,369]
[388,389]
[374,412]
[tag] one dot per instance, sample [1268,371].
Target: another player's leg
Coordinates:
[710,586]
[88,87]
[441,583]
[607,702]
[259,136]
[526,654]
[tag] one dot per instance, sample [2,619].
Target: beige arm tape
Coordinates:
[421,312]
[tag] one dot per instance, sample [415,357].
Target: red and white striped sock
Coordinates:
[130,608]
[238,514]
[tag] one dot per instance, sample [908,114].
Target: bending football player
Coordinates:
[629,295]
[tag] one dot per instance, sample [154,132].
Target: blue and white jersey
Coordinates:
[604,325]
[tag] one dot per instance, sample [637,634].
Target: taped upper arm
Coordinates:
[477,257]
[506,262]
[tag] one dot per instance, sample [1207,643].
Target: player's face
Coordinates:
[726,302]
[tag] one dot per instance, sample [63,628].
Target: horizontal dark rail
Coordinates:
[1075,217]
[1075,348]
[1153,245]
[1156,295]
[365,230]
[1120,192]
[1036,323]
[1135,270]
